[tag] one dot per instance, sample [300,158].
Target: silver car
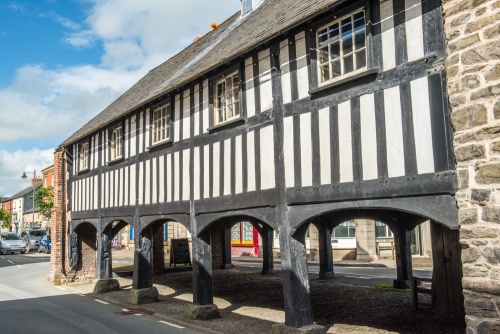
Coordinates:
[32,238]
[11,243]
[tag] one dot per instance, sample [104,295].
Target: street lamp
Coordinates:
[33,185]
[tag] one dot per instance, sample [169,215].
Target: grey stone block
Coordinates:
[203,312]
[309,329]
[144,296]
[106,285]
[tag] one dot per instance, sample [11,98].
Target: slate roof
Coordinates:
[234,37]
[24,192]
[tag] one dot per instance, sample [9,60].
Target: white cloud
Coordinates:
[13,164]
[64,21]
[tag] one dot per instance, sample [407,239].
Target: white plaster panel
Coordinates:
[161,179]
[126,135]
[169,177]
[324,146]
[196,106]
[126,199]
[119,180]
[286,84]
[394,132]
[133,193]
[196,174]
[250,93]
[306,149]
[288,151]
[154,182]
[368,137]
[422,126]
[302,73]
[147,121]
[140,132]
[186,124]
[141,183]
[216,169]
[266,98]
[238,165]
[267,179]
[186,181]
[177,118]
[251,161]
[206,115]
[206,171]
[414,30]
[388,39]
[177,175]
[96,191]
[133,136]
[112,192]
[345,142]
[227,167]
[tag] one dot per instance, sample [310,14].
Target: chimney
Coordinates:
[248,5]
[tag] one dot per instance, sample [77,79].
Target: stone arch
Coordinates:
[84,246]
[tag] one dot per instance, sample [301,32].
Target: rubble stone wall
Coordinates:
[472,30]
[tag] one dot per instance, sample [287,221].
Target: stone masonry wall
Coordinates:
[473,68]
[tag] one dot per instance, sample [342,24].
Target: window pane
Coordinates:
[323,55]
[347,44]
[359,21]
[335,50]
[360,59]
[336,69]
[359,39]
[334,33]
[348,64]
[236,108]
[323,37]
[341,231]
[325,72]
[346,26]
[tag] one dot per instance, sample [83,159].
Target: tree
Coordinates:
[4,218]
[44,197]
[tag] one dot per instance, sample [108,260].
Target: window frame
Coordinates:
[87,156]
[237,72]
[168,125]
[114,157]
[356,70]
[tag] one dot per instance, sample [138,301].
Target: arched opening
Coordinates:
[82,251]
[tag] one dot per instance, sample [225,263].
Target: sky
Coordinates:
[64,61]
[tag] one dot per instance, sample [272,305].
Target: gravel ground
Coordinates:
[252,303]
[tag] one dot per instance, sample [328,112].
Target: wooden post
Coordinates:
[325,252]
[202,269]
[226,247]
[402,243]
[104,259]
[447,271]
[267,250]
[143,268]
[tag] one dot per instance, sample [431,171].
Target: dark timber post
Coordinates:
[296,290]
[325,251]
[143,268]
[402,245]
[447,271]
[267,250]
[104,260]
[226,247]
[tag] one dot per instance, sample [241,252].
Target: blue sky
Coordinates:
[63,61]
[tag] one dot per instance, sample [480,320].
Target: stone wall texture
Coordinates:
[472,30]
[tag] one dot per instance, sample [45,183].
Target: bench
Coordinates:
[421,285]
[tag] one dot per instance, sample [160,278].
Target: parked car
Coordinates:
[11,243]
[44,245]
[32,238]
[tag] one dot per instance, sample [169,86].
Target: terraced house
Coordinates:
[290,113]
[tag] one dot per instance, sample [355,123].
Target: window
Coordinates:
[226,99]
[345,230]
[382,230]
[342,47]
[83,156]
[161,123]
[115,143]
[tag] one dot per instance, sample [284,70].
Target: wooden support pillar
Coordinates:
[226,247]
[104,255]
[402,245]
[143,268]
[325,251]
[202,269]
[296,289]
[447,271]
[267,250]
[158,253]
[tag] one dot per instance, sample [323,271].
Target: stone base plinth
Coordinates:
[309,329]
[326,274]
[106,285]
[144,296]
[203,312]
[227,266]
[268,272]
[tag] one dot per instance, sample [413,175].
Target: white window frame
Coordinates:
[225,111]
[342,56]
[388,233]
[116,143]
[161,124]
[83,156]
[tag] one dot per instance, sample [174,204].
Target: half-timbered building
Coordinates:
[290,113]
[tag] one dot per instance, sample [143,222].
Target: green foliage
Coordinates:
[44,200]
[4,218]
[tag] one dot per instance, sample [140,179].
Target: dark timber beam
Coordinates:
[226,247]
[104,254]
[267,250]
[402,245]
[325,251]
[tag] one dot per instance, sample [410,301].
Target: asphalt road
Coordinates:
[30,304]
